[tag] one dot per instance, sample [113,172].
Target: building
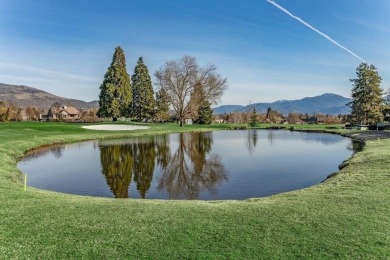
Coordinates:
[63,113]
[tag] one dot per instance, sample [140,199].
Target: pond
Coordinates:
[207,166]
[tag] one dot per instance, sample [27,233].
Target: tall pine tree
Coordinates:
[115,91]
[205,113]
[143,99]
[367,95]
[254,118]
[162,106]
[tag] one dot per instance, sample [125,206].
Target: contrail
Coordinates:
[314,29]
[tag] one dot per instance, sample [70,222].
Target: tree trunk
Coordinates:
[114,119]
[181,122]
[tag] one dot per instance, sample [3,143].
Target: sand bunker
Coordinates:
[115,127]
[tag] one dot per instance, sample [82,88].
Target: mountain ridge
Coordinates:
[24,96]
[328,103]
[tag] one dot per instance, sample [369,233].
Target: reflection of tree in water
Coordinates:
[163,152]
[199,144]
[144,154]
[191,170]
[186,173]
[117,165]
[57,151]
[355,146]
[252,140]
[270,137]
[122,162]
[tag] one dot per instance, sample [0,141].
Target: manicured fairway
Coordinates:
[347,216]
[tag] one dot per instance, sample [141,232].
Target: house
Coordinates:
[315,120]
[63,113]
[361,127]
[383,126]
[43,115]
[218,119]
[387,116]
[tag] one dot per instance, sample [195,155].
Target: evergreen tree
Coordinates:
[162,106]
[367,101]
[143,100]
[269,110]
[253,119]
[197,97]
[115,91]
[205,113]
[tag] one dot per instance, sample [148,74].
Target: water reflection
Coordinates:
[252,140]
[190,170]
[57,151]
[190,165]
[355,146]
[117,166]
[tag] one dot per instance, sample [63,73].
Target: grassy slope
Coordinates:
[345,217]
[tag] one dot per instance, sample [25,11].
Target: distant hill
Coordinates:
[227,109]
[23,96]
[328,103]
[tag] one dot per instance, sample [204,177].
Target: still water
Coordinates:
[207,166]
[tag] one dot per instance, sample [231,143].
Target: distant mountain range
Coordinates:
[23,96]
[328,103]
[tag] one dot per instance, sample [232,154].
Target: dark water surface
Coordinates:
[214,165]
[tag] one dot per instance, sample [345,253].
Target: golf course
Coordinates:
[347,216]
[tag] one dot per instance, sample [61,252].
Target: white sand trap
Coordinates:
[115,127]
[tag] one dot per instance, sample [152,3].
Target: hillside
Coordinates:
[23,96]
[324,104]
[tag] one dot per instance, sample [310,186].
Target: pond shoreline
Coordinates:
[363,136]
[116,155]
[360,136]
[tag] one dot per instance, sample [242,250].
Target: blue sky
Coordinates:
[65,46]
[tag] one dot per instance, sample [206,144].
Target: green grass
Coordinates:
[348,216]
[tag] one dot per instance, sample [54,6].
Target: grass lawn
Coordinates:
[347,216]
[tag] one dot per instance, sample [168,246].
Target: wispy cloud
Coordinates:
[315,29]
[50,73]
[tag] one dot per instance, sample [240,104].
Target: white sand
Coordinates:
[115,127]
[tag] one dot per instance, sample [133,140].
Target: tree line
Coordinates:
[370,104]
[190,90]
[253,118]
[185,86]
[10,112]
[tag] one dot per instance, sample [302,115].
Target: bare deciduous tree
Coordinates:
[181,78]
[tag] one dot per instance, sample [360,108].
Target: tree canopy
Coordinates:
[205,113]
[115,92]
[161,113]
[180,78]
[254,118]
[143,99]
[367,95]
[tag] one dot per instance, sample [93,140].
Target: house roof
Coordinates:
[71,110]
